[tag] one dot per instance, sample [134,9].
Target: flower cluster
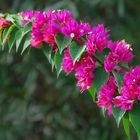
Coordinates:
[84,72]
[46,25]
[83,68]
[67,63]
[120,52]
[130,90]
[97,39]
[106,94]
[44,29]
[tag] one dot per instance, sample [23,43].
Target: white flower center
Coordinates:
[72,35]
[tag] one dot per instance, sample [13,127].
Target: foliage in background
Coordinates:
[42,107]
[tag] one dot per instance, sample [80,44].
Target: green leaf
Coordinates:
[27,28]
[103,111]
[18,21]
[92,91]
[118,114]
[10,29]
[100,78]
[119,79]
[10,18]
[57,62]
[52,60]
[135,118]
[62,42]
[3,37]
[126,125]
[19,37]
[0,37]
[47,51]
[76,50]
[124,66]
[26,43]
[11,40]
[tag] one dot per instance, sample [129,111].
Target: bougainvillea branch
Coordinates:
[100,64]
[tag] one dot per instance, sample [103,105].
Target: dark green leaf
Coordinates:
[76,50]
[27,28]
[92,91]
[57,62]
[100,78]
[126,125]
[135,118]
[11,40]
[62,42]
[26,43]
[52,60]
[118,114]
[119,79]
[47,51]
[19,37]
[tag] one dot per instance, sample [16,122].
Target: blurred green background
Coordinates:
[34,105]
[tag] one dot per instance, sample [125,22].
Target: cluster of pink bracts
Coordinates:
[46,25]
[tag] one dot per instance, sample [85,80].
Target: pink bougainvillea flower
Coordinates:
[67,63]
[63,15]
[35,42]
[130,89]
[106,94]
[44,28]
[121,52]
[84,72]
[50,14]
[123,102]
[4,23]
[73,29]
[97,39]
[27,15]
[37,28]
[84,28]
[50,30]
[110,62]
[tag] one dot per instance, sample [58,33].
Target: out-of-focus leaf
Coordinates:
[10,18]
